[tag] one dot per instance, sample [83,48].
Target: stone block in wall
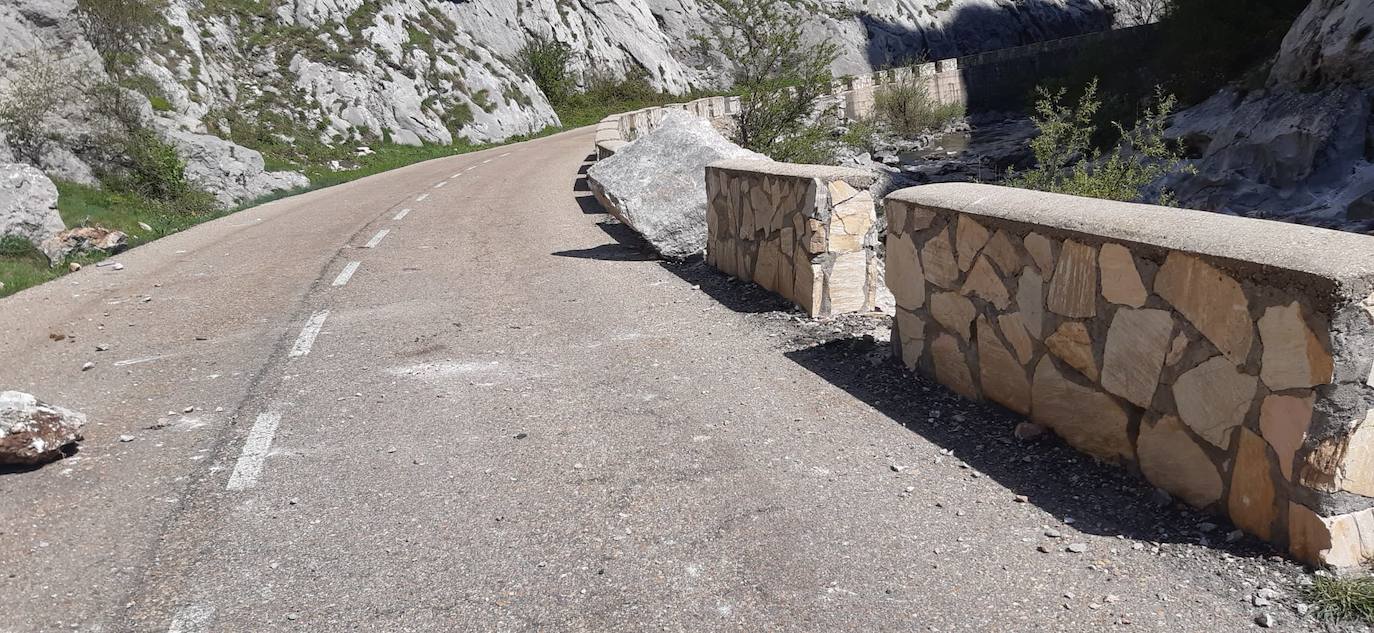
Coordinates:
[1004,379]
[809,225]
[1137,343]
[1171,458]
[1228,359]
[1209,298]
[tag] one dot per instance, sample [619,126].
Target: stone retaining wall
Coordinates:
[805,232]
[1226,360]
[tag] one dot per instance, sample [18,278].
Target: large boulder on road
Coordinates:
[33,432]
[657,184]
[28,204]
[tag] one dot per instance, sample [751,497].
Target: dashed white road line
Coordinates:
[191,619]
[422,197]
[455,175]
[504,155]
[249,466]
[347,273]
[402,215]
[440,184]
[377,239]
[486,161]
[307,338]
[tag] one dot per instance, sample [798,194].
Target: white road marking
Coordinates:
[307,338]
[347,273]
[470,168]
[486,161]
[402,215]
[504,155]
[135,361]
[377,239]
[191,619]
[249,466]
[422,197]
[455,175]
[440,184]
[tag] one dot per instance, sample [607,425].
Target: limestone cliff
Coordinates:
[1302,146]
[351,72]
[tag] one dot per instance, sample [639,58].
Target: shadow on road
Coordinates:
[1101,499]
[70,450]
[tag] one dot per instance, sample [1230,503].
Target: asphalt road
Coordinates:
[505,420]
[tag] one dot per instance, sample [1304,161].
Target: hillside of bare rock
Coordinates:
[221,79]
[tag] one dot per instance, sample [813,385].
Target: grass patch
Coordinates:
[22,265]
[1342,599]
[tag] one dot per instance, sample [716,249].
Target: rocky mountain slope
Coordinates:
[1302,146]
[216,77]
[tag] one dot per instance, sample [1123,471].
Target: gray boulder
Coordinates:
[657,184]
[232,172]
[28,204]
[1298,148]
[33,432]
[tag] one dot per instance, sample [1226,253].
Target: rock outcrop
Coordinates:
[1302,147]
[232,172]
[657,184]
[28,204]
[33,432]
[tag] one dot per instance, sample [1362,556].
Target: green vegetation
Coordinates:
[118,27]
[147,87]
[907,109]
[22,265]
[546,62]
[1342,599]
[601,94]
[780,78]
[1067,162]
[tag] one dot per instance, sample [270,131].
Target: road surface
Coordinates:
[444,399]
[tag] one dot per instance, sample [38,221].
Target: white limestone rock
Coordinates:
[233,173]
[28,204]
[658,182]
[33,432]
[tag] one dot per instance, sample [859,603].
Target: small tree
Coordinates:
[43,85]
[117,28]
[1065,136]
[779,77]
[1135,12]
[546,62]
[1068,163]
[907,108]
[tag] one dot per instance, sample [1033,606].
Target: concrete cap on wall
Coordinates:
[1344,258]
[857,178]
